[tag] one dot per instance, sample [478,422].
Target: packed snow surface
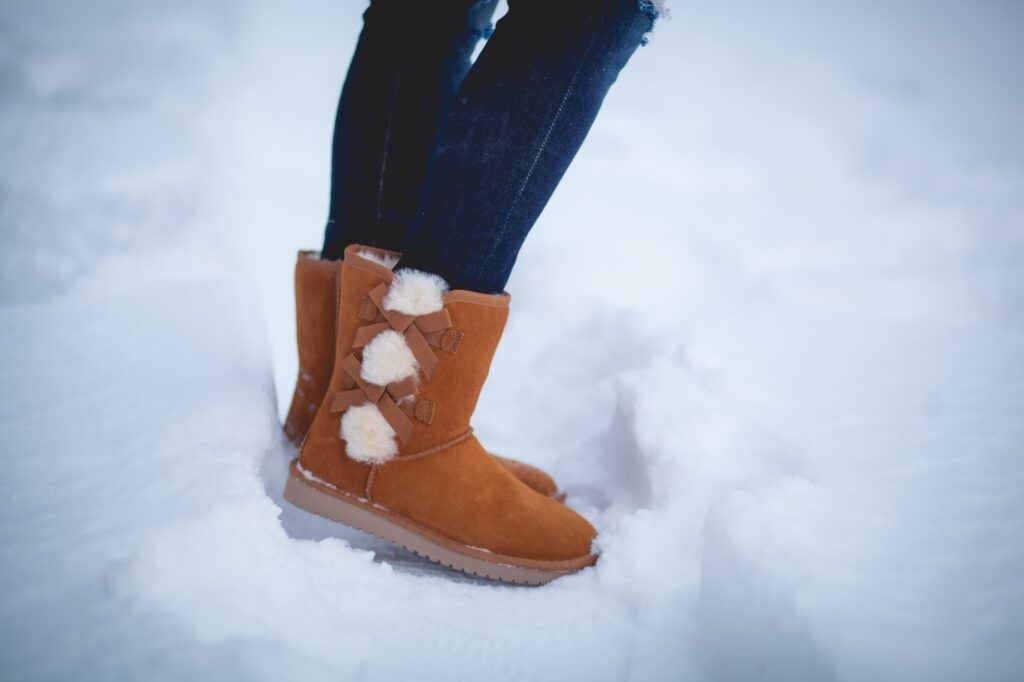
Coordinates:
[768,334]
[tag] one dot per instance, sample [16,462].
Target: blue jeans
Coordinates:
[451,163]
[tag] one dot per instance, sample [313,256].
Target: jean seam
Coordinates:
[387,141]
[547,137]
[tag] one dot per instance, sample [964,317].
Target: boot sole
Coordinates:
[320,499]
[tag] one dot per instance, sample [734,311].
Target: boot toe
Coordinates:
[566,536]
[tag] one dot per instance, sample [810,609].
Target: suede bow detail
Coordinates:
[421,333]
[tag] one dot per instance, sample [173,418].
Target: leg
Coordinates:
[517,122]
[411,57]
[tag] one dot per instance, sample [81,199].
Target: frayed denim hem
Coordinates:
[484,33]
[653,10]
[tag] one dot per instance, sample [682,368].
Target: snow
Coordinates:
[771,322]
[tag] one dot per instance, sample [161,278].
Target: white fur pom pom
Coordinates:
[368,436]
[414,292]
[387,358]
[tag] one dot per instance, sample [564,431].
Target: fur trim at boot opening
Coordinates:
[388,260]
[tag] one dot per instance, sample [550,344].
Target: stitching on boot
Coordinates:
[337,315]
[490,300]
[437,448]
[369,482]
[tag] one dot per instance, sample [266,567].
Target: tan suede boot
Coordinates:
[391,451]
[316,291]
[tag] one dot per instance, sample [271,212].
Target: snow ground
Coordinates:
[788,271]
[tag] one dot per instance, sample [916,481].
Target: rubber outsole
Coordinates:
[336,505]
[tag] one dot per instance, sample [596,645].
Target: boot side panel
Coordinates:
[315,310]
[468,496]
[455,386]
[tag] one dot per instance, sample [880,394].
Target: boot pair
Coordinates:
[316,308]
[391,366]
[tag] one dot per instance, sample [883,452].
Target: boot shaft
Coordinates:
[317,286]
[453,363]
[437,413]
[316,291]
